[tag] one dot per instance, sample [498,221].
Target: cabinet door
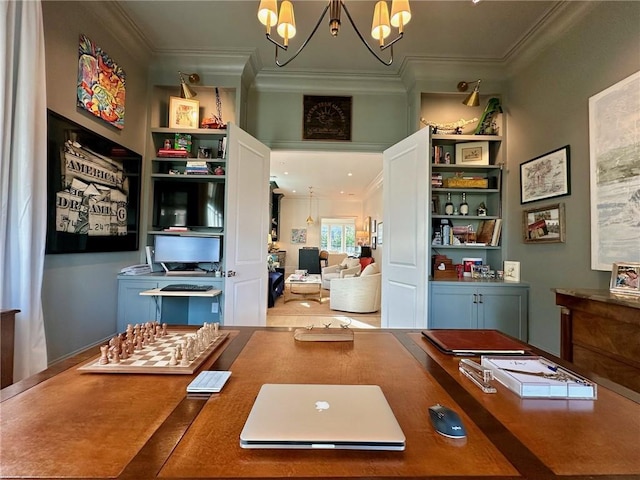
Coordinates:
[132,307]
[504,309]
[453,307]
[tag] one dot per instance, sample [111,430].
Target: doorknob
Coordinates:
[231,273]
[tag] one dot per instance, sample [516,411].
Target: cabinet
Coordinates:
[480,304]
[134,308]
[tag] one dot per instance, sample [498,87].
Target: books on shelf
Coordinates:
[172,153]
[489,232]
[537,377]
[197,167]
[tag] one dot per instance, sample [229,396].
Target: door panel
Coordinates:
[247,220]
[406,216]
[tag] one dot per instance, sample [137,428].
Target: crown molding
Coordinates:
[331,82]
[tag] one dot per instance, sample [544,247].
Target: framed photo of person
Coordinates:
[624,278]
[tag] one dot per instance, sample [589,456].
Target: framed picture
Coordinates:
[511,271]
[101,83]
[379,234]
[298,235]
[472,153]
[93,191]
[543,224]
[614,129]
[374,224]
[183,112]
[374,242]
[546,176]
[367,224]
[624,278]
[326,118]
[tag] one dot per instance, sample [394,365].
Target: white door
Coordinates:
[405,246]
[246,225]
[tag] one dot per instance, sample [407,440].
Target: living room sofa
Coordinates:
[359,294]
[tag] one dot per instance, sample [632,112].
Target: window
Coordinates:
[338,235]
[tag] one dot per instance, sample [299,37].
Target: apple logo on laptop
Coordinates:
[322,405]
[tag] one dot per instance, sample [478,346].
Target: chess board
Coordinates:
[155,358]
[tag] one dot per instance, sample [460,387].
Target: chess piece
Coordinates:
[115,354]
[104,359]
[174,356]
[216,327]
[164,329]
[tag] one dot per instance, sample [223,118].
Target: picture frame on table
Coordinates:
[511,271]
[472,153]
[625,278]
[184,113]
[546,176]
[544,224]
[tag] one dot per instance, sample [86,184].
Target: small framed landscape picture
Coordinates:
[183,112]
[472,153]
[546,176]
[624,278]
[511,271]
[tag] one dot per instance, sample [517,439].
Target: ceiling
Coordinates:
[489,31]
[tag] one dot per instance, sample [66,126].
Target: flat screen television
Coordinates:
[187,253]
[196,204]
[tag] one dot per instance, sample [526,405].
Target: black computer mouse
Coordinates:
[446,422]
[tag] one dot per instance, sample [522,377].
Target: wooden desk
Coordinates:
[187,306]
[601,332]
[72,424]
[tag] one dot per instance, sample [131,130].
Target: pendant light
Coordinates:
[310,218]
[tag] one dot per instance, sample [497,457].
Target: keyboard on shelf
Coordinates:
[186,287]
[209,381]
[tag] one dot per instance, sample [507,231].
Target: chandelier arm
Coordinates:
[304,44]
[380,59]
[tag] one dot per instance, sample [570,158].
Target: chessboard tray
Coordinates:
[154,358]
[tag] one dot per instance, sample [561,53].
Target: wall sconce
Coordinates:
[473,99]
[310,218]
[185,90]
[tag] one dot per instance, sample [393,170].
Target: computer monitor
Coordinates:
[185,253]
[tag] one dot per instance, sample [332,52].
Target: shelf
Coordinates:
[465,247]
[191,233]
[465,138]
[466,217]
[457,166]
[190,131]
[466,190]
[194,177]
[189,159]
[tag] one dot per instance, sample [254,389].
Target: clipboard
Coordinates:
[475,342]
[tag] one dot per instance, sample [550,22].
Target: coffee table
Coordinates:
[309,287]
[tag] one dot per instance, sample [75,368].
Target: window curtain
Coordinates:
[23,187]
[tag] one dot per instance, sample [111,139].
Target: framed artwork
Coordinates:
[374,242]
[614,130]
[435,204]
[326,118]
[624,278]
[380,233]
[472,153]
[101,83]
[374,224]
[546,176]
[544,224]
[298,236]
[366,225]
[511,271]
[183,112]
[93,191]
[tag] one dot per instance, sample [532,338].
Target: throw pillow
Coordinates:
[370,269]
[352,262]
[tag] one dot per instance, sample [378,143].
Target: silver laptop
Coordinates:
[354,417]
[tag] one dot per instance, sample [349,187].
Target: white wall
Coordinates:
[294,212]
[547,109]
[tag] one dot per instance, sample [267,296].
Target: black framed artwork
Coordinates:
[326,118]
[546,176]
[93,191]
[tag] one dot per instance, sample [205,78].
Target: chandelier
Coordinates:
[380,28]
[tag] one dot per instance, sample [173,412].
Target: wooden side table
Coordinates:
[7,338]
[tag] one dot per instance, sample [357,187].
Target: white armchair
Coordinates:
[337,271]
[357,294]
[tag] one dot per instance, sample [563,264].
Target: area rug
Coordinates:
[305,307]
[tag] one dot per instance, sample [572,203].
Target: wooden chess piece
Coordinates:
[104,359]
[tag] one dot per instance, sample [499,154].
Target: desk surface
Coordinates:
[63,423]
